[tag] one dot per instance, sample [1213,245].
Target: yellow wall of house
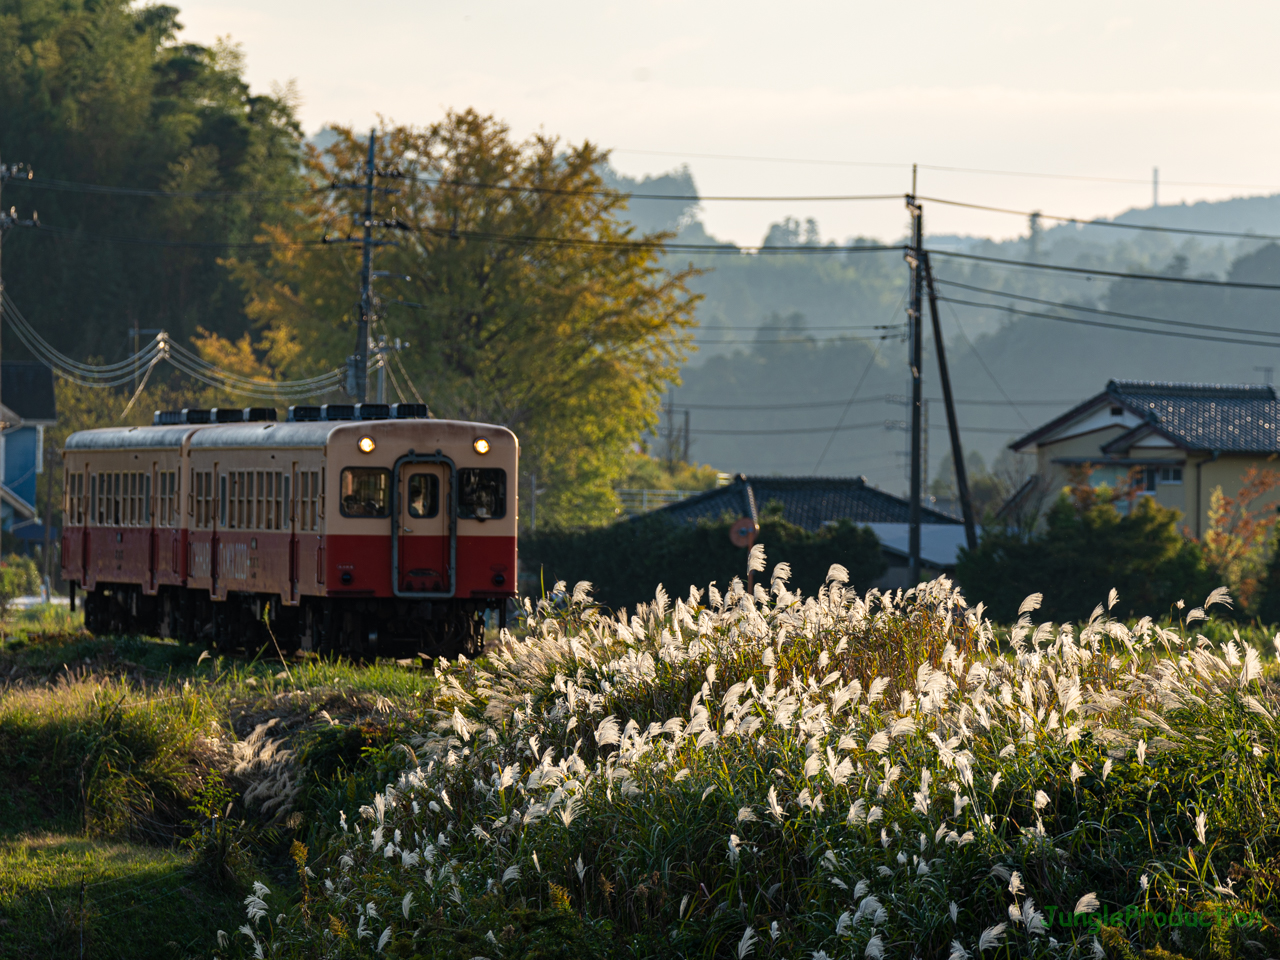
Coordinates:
[1189,497]
[1226,472]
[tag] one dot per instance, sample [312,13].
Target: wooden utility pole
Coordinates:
[953,428]
[916,360]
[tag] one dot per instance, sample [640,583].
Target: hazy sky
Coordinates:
[1086,89]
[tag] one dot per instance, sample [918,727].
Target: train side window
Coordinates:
[482,493]
[259,502]
[288,503]
[276,506]
[366,492]
[424,495]
[146,499]
[95,505]
[222,498]
[116,497]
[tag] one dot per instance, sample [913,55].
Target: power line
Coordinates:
[982,363]
[940,168]
[1113,224]
[660,245]
[1110,313]
[1197,281]
[878,399]
[887,424]
[1109,326]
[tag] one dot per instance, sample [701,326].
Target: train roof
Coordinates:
[129,438]
[269,434]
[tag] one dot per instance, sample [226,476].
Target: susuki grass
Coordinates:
[769,775]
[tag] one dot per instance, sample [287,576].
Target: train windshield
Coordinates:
[482,493]
[366,492]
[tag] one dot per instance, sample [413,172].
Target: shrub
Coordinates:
[849,776]
[1084,550]
[624,561]
[19,577]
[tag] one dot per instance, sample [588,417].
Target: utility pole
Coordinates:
[1155,186]
[48,515]
[913,258]
[361,355]
[953,428]
[8,222]
[357,385]
[671,429]
[686,434]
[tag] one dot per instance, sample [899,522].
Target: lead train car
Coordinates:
[358,537]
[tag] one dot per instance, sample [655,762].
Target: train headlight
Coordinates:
[481,445]
[366,444]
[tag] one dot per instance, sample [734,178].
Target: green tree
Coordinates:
[1084,549]
[626,561]
[102,92]
[568,342]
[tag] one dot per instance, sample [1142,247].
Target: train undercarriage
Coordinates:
[357,627]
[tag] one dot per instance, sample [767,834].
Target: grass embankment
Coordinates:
[765,777]
[116,754]
[777,776]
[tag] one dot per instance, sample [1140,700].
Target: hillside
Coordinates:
[786,339]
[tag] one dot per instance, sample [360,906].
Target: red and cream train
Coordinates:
[358,528]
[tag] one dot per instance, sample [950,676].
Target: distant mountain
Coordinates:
[779,333]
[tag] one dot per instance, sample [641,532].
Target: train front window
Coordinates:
[424,495]
[366,492]
[482,493]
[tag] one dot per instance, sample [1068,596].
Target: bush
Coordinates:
[625,561]
[19,577]
[773,776]
[1083,551]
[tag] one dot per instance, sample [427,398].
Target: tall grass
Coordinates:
[764,774]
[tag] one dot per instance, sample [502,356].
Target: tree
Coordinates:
[626,561]
[529,303]
[100,92]
[1086,547]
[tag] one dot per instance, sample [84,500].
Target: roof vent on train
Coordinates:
[337,411]
[164,418]
[410,411]
[303,413]
[373,411]
[257,414]
[226,415]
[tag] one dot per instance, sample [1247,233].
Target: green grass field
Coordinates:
[718,779]
[108,746]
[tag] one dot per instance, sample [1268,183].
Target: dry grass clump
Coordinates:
[770,775]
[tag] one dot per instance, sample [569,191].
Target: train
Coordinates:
[361,530]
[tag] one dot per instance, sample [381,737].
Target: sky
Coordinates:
[824,97]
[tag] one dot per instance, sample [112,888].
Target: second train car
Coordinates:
[356,529]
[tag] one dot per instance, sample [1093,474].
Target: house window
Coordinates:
[1170,474]
[1117,411]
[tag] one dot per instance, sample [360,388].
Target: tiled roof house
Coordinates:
[812,502]
[1181,439]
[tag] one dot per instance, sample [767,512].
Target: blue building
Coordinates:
[27,407]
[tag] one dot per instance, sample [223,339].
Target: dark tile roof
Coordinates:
[1233,418]
[27,389]
[808,502]
[1243,418]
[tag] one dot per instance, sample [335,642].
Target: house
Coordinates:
[813,502]
[27,407]
[1178,440]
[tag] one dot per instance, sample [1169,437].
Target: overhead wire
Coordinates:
[1092,272]
[1112,224]
[1108,313]
[1080,321]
